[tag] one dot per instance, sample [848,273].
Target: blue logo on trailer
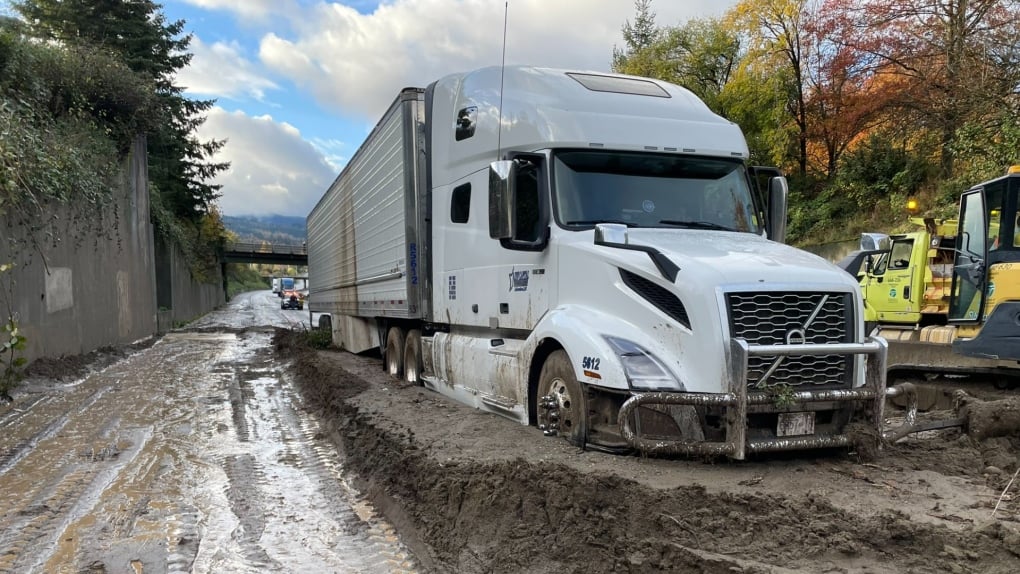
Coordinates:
[413,249]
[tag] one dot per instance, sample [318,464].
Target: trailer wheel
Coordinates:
[326,323]
[561,404]
[412,357]
[395,352]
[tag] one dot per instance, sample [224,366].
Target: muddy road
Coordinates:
[190,454]
[233,446]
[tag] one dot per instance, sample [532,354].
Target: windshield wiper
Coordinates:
[597,221]
[696,224]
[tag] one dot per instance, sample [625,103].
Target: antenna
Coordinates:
[502,66]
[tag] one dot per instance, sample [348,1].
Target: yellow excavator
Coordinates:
[947,296]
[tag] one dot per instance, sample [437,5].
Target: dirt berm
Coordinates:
[474,493]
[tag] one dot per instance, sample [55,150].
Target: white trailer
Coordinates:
[590,253]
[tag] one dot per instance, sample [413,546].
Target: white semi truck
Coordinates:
[590,253]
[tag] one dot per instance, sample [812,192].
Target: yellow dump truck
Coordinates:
[947,296]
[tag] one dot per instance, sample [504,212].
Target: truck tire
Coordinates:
[412,357]
[560,401]
[394,357]
[326,323]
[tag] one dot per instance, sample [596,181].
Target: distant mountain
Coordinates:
[284,229]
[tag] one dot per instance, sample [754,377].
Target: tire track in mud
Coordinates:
[35,524]
[11,455]
[372,527]
[245,496]
[287,506]
[73,448]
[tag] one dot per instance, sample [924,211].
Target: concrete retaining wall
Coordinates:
[181,298]
[84,290]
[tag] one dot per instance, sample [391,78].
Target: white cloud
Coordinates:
[334,151]
[353,62]
[220,70]
[273,170]
[247,9]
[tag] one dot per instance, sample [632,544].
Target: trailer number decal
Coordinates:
[452,284]
[413,249]
[591,363]
[518,280]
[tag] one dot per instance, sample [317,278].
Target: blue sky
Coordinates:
[298,84]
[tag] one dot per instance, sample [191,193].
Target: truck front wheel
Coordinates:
[561,405]
[395,352]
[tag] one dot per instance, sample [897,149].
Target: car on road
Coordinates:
[292,299]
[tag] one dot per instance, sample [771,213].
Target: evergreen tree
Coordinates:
[640,37]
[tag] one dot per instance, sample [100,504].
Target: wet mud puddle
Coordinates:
[191,456]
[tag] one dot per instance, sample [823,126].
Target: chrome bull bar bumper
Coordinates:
[736,444]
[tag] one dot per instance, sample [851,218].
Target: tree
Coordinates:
[959,56]
[639,56]
[137,31]
[846,92]
[775,41]
[700,55]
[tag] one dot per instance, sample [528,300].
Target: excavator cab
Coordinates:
[985,295]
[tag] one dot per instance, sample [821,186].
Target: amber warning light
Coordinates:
[913,205]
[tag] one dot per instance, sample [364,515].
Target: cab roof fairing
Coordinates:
[546,108]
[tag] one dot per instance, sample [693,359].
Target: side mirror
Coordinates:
[778,191]
[875,242]
[611,233]
[501,202]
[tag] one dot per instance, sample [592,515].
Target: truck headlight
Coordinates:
[643,370]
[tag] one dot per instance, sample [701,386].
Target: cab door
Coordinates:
[891,285]
[966,300]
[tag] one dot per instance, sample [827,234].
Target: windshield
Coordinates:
[652,190]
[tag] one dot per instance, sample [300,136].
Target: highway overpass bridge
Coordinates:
[274,253]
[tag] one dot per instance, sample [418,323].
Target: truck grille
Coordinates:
[784,318]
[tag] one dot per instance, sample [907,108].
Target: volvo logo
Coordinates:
[796,337]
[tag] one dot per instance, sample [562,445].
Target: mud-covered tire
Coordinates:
[557,381]
[326,323]
[412,357]
[394,355]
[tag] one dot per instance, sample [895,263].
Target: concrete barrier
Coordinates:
[83,289]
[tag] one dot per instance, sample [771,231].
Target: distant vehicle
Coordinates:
[597,258]
[292,299]
[276,285]
[286,284]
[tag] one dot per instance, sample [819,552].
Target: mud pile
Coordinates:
[480,494]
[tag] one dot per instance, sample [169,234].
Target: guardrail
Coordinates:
[266,248]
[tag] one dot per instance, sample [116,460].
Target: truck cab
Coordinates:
[910,283]
[625,270]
